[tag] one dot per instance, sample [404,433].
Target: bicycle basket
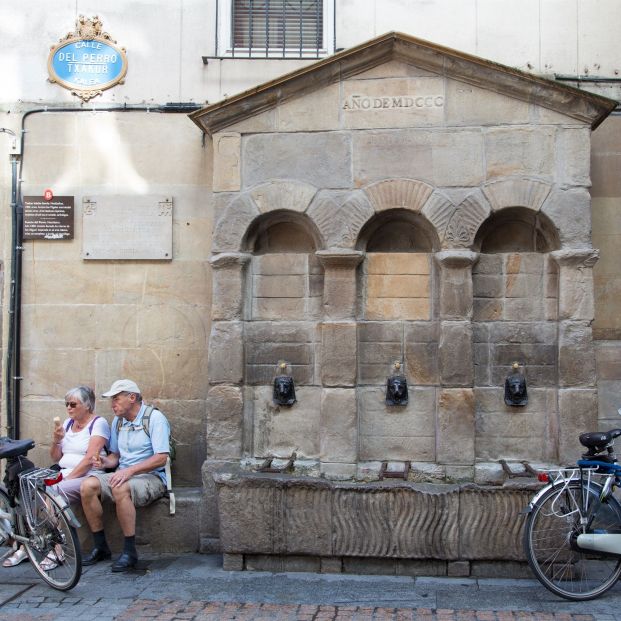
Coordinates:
[31,485]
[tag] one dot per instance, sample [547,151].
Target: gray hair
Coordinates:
[84,394]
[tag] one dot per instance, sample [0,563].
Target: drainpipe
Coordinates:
[13,366]
[15,305]
[12,432]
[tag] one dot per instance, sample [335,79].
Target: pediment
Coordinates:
[397,56]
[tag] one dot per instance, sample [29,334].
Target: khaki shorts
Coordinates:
[145,488]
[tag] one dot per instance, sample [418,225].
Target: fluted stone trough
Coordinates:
[268,519]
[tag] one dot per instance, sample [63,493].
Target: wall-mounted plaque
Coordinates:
[127,227]
[48,219]
[87,61]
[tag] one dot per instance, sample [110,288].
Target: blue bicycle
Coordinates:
[572,535]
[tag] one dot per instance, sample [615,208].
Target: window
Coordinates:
[275,28]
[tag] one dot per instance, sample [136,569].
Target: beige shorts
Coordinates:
[145,488]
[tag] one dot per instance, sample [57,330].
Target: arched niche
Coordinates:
[283,294]
[515,309]
[282,231]
[398,230]
[396,323]
[516,229]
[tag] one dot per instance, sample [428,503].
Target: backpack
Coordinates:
[172,453]
[70,422]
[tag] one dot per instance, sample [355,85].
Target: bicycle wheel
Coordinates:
[549,541]
[54,548]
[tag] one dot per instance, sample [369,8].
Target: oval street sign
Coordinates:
[87,61]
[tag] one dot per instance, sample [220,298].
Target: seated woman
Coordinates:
[82,436]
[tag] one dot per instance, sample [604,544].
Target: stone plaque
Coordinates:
[127,227]
[48,219]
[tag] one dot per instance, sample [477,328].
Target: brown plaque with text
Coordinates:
[51,219]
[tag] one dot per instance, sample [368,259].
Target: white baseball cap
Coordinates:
[122,385]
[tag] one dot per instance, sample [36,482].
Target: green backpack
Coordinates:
[172,453]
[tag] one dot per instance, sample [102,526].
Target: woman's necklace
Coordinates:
[79,426]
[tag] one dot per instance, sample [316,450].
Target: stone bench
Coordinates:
[156,529]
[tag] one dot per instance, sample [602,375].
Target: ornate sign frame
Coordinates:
[87,61]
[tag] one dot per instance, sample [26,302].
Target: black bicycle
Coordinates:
[32,514]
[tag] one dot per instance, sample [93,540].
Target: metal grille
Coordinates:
[277,28]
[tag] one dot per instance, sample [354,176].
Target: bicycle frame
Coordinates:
[599,475]
[8,525]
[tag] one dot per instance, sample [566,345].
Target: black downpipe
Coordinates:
[14,318]
[13,375]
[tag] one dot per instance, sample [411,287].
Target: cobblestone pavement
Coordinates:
[195,588]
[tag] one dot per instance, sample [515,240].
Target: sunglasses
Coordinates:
[71,404]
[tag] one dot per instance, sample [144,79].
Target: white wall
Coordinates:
[166,39]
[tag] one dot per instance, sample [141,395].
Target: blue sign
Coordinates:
[87,61]
[87,64]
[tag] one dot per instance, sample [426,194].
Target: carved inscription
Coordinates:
[392,102]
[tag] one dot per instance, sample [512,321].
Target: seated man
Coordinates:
[139,480]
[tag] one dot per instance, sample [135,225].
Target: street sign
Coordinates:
[87,61]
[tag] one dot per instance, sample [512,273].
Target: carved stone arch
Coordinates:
[232,225]
[517,229]
[339,216]
[398,230]
[399,194]
[283,195]
[517,192]
[517,221]
[438,210]
[570,212]
[282,230]
[465,221]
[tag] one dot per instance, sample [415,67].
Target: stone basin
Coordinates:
[278,521]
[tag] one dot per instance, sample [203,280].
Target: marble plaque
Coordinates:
[127,227]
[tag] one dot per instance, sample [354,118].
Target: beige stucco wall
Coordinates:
[606,202]
[93,321]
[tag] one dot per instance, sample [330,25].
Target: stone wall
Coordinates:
[608,357]
[515,311]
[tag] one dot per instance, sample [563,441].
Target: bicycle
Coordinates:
[38,518]
[572,535]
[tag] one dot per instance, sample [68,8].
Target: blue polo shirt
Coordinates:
[134,445]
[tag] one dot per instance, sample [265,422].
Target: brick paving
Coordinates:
[175,610]
[167,610]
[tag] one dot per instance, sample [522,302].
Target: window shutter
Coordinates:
[286,25]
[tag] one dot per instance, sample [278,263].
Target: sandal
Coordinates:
[52,560]
[16,558]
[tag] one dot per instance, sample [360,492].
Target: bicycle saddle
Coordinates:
[599,440]
[14,448]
